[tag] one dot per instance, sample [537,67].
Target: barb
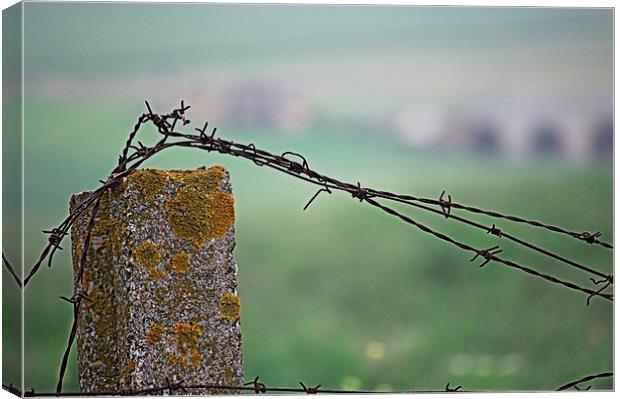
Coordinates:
[495,231]
[361,193]
[590,238]
[310,390]
[569,385]
[294,166]
[608,281]
[258,386]
[487,254]
[326,189]
[445,205]
[448,389]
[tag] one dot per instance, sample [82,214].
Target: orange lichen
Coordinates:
[230,306]
[103,228]
[154,334]
[203,179]
[200,211]
[119,188]
[187,336]
[99,301]
[104,234]
[179,263]
[129,368]
[87,276]
[148,256]
[149,182]
[98,317]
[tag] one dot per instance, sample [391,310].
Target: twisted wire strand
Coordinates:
[295,165]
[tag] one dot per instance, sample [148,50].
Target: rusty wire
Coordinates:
[258,387]
[172,387]
[296,165]
[574,384]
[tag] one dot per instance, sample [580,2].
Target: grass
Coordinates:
[343,295]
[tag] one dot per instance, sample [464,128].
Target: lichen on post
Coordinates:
[161,284]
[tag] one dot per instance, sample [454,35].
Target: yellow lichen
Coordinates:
[172,358]
[203,179]
[115,241]
[200,211]
[119,188]
[99,311]
[149,182]
[230,378]
[179,263]
[103,228]
[129,368]
[105,231]
[154,334]
[229,306]
[148,256]
[99,301]
[188,353]
[86,278]
[77,253]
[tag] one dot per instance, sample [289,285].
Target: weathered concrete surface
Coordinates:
[161,282]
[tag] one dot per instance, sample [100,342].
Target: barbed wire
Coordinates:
[256,386]
[574,384]
[281,162]
[590,238]
[296,165]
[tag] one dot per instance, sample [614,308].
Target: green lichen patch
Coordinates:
[229,306]
[149,182]
[200,211]
[148,257]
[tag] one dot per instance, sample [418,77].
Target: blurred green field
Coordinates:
[340,295]
[343,295]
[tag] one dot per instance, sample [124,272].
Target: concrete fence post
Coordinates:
[161,284]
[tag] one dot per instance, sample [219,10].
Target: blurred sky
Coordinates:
[420,74]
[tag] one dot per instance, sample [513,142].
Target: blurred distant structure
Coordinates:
[519,134]
[258,103]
